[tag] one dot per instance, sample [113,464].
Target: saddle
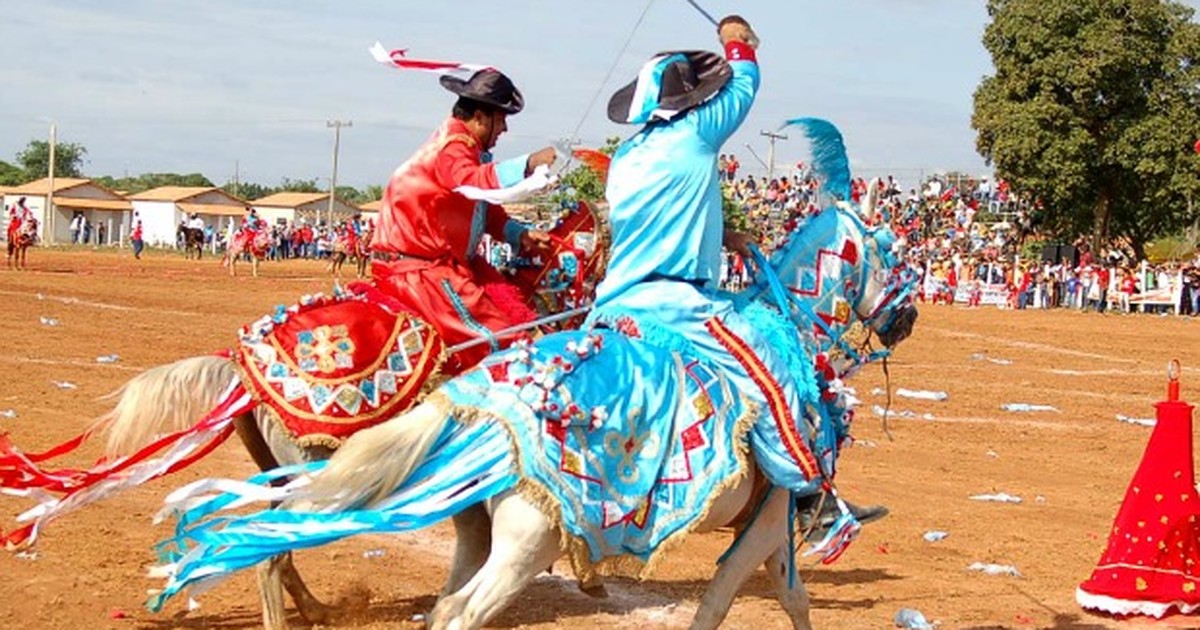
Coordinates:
[333,365]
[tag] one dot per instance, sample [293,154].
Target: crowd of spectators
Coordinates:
[966,238]
[289,240]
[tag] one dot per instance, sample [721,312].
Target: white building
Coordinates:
[370,211]
[285,207]
[162,209]
[105,210]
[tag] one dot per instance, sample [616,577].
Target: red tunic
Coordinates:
[14,225]
[439,278]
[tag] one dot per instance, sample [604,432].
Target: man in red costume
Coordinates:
[20,220]
[424,247]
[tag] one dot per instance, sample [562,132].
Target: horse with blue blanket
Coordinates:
[608,444]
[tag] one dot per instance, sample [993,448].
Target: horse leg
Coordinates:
[254,265]
[473,543]
[279,572]
[793,598]
[764,536]
[524,543]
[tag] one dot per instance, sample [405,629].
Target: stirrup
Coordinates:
[837,536]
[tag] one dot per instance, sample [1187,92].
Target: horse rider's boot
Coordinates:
[817,524]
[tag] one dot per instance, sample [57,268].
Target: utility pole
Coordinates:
[336,125]
[50,222]
[237,177]
[772,136]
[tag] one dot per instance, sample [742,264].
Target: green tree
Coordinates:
[35,159]
[148,181]
[249,191]
[1094,107]
[585,180]
[11,175]
[298,185]
[350,194]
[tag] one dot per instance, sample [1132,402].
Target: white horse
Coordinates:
[505,540]
[159,422]
[254,243]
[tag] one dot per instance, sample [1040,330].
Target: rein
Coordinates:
[789,304]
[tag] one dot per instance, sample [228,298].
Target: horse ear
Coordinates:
[870,201]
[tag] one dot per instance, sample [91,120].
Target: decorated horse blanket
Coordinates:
[623,474]
[333,365]
[256,242]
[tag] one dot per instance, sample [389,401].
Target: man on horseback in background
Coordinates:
[251,223]
[424,246]
[667,232]
[19,218]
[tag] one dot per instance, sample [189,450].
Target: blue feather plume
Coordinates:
[830,163]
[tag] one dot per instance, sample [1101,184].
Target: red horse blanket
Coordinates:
[331,366]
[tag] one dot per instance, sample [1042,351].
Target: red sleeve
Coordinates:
[458,165]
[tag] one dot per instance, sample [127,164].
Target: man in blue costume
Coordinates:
[667,235]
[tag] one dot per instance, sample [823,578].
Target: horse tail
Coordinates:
[163,400]
[374,462]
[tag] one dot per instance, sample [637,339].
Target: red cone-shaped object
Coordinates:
[1152,563]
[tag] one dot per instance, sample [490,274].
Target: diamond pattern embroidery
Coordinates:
[327,349]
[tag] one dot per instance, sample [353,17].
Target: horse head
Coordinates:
[835,268]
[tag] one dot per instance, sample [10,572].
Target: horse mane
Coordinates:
[829,161]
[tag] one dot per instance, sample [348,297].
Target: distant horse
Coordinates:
[21,237]
[193,239]
[349,245]
[256,243]
[362,253]
[344,246]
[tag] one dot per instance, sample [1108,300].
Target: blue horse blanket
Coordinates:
[626,472]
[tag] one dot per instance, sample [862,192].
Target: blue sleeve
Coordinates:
[511,172]
[513,231]
[720,117]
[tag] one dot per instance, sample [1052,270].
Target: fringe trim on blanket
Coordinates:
[576,548]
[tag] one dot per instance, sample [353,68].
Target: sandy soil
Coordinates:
[1070,467]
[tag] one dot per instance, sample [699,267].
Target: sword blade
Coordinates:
[708,16]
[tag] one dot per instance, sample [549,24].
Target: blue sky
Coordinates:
[174,86]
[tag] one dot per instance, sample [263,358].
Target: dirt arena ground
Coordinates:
[1070,467]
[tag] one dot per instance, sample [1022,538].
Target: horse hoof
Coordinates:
[596,590]
[318,614]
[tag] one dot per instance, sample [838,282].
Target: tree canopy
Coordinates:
[1094,108]
[586,182]
[34,160]
[147,181]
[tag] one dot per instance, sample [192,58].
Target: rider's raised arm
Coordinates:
[458,164]
[721,116]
